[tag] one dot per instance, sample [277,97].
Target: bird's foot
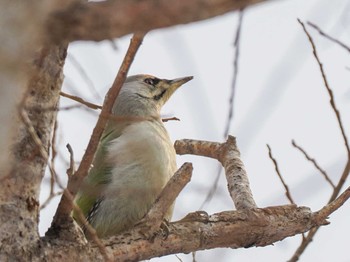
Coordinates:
[151,230]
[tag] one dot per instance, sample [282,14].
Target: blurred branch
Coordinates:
[170,119]
[63,211]
[213,188]
[71,169]
[81,101]
[119,18]
[347,48]
[235,73]
[53,174]
[229,156]
[288,194]
[177,182]
[313,161]
[84,74]
[306,241]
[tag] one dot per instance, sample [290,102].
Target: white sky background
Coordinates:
[280,96]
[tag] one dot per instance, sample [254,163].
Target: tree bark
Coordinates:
[99,20]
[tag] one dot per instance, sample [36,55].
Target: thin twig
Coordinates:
[48,200]
[53,175]
[347,48]
[53,157]
[288,194]
[64,209]
[89,229]
[84,74]
[333,206]
[81,101]
[71,169]
[236,46]
[213,188]
[42,151]
[34,135]
[314,162]
[346,170]
[330,92]
[174,118]
[235,73]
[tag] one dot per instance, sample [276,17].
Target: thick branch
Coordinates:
[19,196]
[168,195]
[228,155]
[233,229]
[110,19]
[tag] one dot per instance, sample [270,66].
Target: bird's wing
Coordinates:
[98,176]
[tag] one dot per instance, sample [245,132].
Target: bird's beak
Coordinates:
[173,85]
[176,83]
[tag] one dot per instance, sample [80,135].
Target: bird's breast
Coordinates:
[142,154]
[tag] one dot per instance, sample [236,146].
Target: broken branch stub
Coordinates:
[229,156]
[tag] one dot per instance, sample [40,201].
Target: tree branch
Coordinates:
[229,156]
[232,229]
[65,206]
[288,194]
[334,40]
[178,181]
[314,162]
[111,19]
[306,241]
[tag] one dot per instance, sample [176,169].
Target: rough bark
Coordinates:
[99,20]
[197,231]
[19,209]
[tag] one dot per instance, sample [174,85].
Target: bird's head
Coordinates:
[144,95]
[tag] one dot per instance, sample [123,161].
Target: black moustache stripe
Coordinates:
[159,96]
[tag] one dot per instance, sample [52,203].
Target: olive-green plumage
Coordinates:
[134,160]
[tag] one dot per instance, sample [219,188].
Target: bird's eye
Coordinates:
[152,81]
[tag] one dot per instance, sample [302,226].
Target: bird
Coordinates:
[134,160]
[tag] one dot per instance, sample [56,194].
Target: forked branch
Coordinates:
[229,156]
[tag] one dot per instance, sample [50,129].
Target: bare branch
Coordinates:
[167,197]
[288,194]
[198,231]
[347,48]
[48,200]
[346,170]
[84,75]
[333,206]
[65,206]
[71,169]
[213,188]
[314,162]
[319,216]
[229,156]
[81,101]
[119,18]
[235,73]
[53,156]
[329,90]
[170,119]
[53,175]
[89,229]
